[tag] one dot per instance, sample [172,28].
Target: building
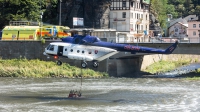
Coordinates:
[194,31]
[179,24]
[187,28]
[178,30]
[130,18]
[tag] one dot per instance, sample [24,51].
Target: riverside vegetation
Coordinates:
[38,69]
[164,66]
[43,69]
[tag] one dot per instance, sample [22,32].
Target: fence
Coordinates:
[164,40]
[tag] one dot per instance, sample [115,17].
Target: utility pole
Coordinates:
[41,14]
[60,14]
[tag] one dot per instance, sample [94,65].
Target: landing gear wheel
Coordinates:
[59,62]
[83,64]
[95,64]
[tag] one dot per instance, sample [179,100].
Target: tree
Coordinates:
[171,10]
[176,2]
[51,12]
[158,8]
[197,10]
[13,10]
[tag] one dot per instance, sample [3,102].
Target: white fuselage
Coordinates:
[79,52]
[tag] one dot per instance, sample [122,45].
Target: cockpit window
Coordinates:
[50,47]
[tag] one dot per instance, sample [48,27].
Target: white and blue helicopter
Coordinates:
[91,48]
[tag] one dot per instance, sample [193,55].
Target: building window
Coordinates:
[194,33]
[194,25]
[135,15]
[136,27]
[123,3]
[123,14]
[132,4]
[146,17]
[131,15]
[146,7]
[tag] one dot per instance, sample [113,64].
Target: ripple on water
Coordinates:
[115,94]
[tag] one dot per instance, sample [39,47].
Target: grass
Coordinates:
[163,66]
[38,69]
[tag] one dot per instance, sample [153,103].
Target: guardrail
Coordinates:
[150,40]
[164,40]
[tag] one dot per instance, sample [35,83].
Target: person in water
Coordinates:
[73,94]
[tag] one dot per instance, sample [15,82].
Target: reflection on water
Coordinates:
[113,94]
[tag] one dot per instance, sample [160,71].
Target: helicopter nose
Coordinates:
[44,53]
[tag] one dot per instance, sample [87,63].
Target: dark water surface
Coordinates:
[100,95]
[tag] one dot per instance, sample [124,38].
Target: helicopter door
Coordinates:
[60,50]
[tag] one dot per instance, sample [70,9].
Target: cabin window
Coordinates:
[71,50]
[66,49]
[89,52]
[96,51]
[78,51]
[83,52]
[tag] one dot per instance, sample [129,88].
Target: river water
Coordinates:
[100,95]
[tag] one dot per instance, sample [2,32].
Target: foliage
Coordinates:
[31,10]
[178,8]
[185,7]
[163,66]
[158,8]
[37,68]
[43,41]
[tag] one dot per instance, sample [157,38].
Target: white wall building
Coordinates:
[130,18]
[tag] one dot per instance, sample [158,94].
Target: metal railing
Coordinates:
[162,40]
